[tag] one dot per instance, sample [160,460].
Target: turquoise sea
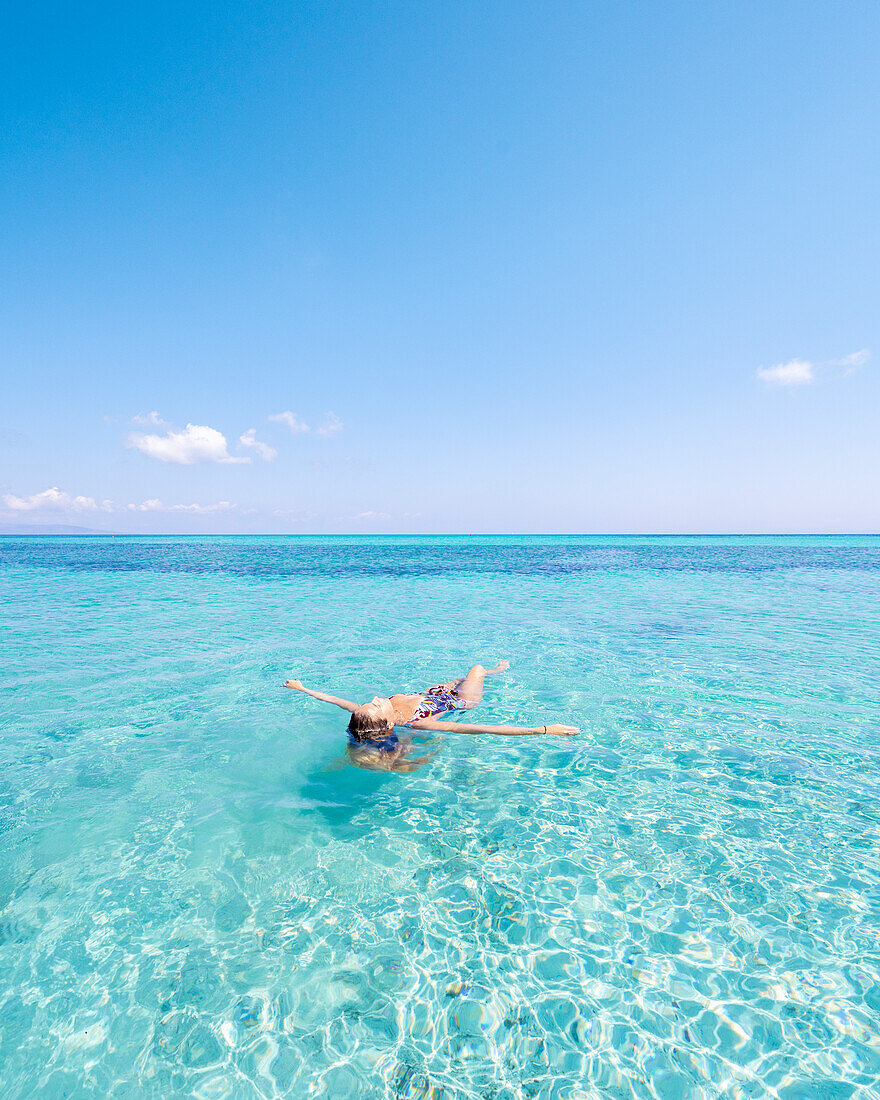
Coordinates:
[201,897]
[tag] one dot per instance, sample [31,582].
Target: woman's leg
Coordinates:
[470,689]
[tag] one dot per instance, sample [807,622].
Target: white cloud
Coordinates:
[154,505]
[796,372]
[194,443]
[54,500]
[264,451]
[149,420]
[851,362]
[292,421]
[57,500]
[330,425]
[372,515]
[203,509]
[799,372]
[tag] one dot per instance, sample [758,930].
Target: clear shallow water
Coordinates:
[198,897]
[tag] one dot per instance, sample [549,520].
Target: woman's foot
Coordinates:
[502,666]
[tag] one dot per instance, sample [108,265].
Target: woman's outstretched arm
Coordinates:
[296,685]
[500,731]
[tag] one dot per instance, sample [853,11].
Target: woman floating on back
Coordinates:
[373,742]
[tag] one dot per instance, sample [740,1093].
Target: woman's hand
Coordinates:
[295,684]
[561,731]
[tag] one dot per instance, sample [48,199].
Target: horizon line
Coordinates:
[438,534]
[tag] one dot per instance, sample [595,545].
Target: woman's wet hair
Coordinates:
[361,724]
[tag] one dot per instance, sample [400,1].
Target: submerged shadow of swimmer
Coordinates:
[390,758]
[373,742]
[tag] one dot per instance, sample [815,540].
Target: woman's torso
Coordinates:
[418,705]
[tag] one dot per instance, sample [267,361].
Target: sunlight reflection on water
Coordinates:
[199,898]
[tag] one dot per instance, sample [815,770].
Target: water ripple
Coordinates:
[199,898]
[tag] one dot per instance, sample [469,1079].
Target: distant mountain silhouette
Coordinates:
[48,529]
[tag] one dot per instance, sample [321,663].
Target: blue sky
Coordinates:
[517,267]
